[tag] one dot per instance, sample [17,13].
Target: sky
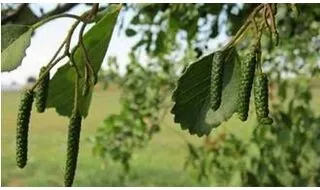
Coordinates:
[47,39]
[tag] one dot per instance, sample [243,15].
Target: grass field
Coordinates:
[159,164]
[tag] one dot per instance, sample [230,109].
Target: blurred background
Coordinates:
[129,137]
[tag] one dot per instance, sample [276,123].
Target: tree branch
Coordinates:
[60,9]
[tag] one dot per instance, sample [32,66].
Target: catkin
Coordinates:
[247,75]
[216,80]
[73,148]
[23,119]
[42,91]
[261,99]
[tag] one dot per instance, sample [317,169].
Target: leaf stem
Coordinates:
[258,46]
[69,36]
[75,106]
[85,52]
[81,44]
[88,16]
[73,63]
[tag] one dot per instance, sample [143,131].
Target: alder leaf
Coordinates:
[15,39]
[192,95]
[62,85]
[130,32]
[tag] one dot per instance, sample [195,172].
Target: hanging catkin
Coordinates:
[216,80]
[42,91]
[73,148]
[261,99]
[23,119]
[247,75]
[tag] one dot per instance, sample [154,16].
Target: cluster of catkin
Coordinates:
[23,119]
[249,78]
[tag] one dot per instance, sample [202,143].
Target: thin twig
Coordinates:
[89,15]
[72,60]
[94,10]
[255,25]
[273,23]
[244,27]
[69,36]
[81,44]
[75,106]
[59,9]
[265,15]
[258,46]
[67,48]
[73,64]
[258,39]
[86,55]
[38,24]
[57,52]
[47,71]
[87,61]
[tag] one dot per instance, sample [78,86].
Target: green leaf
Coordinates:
[130,32]
[192,95]
[15,39]
[160,43]
[10,32]
[173,25]
[61,88]
[214,29]
[135,19]
[283,90]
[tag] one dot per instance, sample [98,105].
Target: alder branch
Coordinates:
[60,9]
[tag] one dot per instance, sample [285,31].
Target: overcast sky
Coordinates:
[48,38]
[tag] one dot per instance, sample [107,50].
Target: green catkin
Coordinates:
[247,75]
[42,91]
[261,99]
[73,148]
[23,119]
[216,80]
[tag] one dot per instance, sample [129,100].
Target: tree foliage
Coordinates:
[176,56]
[188,26]
[282,154]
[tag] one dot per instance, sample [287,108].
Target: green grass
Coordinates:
[159,164]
